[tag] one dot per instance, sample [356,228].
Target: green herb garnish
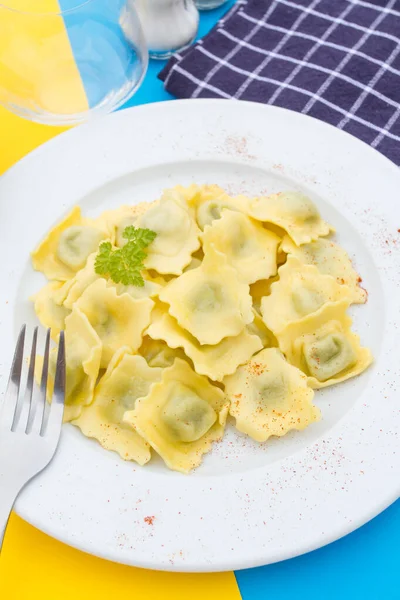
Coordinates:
[124,265]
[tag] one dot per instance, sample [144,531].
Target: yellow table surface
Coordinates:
[33,565]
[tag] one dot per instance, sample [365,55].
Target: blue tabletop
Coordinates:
[364,564]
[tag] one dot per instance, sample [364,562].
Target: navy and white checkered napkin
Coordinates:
[337,60]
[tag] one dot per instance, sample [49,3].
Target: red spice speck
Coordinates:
[149,520]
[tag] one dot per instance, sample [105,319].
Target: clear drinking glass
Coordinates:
[62,63]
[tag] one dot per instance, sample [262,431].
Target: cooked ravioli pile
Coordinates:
[243,312]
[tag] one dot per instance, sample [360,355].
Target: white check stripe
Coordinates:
[289,86]
[172,71]
[389,11]
[235,8]
[346,59]
[371,84]
[203,84]
[235,50]
[388,125]
[326,43]
[387,36]
[313,66]
[268,58]
[309,54]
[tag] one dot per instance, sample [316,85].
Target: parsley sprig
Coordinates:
[124,265]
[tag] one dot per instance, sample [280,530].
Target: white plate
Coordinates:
[248,504]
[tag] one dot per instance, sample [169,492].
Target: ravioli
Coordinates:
[215,361]
[300,291]
[243,309]
[181,416]
[194,263]
[118,320]
[269,396]
[330,259]
[159,310]
[261,288]
[150,289]
[249,248]
[195,195]
[83,354]
[293,212]
[158,354]
[127,378]
[118,219]
[259,328]
[209,302]
[324,347]
[73,289]
[177,234]
[50,313]
[67,247]
[208,202]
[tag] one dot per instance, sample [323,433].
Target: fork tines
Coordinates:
[29,412]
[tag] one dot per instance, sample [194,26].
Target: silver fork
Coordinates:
[30,427]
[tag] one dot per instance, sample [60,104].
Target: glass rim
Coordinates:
[45,13]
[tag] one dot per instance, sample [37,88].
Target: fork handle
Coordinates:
[8,495]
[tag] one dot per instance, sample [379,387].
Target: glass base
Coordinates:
[162,55]
[165,54]
[111,102]
[209,4]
